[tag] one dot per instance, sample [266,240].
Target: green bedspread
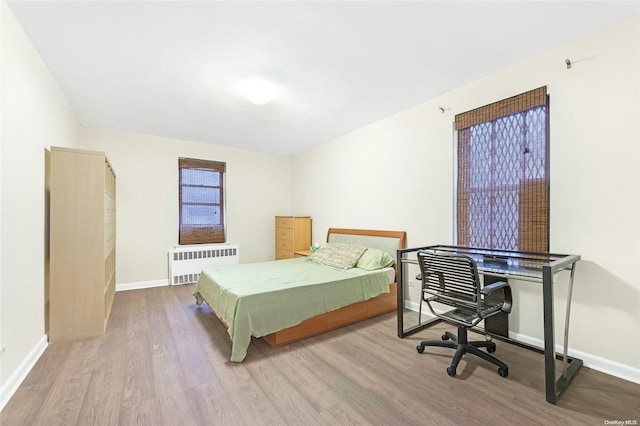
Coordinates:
[256,299]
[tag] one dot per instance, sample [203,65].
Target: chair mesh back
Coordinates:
[450,277]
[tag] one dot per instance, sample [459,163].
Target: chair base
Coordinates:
[463,346]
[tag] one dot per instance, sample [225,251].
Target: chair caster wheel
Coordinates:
[445,337]
[451,371]
[503,372]
[420,349]
[491,348]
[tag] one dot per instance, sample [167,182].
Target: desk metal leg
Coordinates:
[549,338]
[400,273]
[554,388]
[566,322]
[400,295]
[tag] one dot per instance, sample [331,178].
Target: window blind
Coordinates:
[503,174]
[201,201]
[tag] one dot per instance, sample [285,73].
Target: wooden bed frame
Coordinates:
[349,314]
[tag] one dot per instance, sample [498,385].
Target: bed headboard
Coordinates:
[388,241]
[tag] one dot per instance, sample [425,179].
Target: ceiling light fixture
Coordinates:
[258,90]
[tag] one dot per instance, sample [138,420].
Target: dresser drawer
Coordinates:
[284,244]
[283,254]
[284,233]
[284,222]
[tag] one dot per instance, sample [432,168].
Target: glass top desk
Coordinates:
[536,267]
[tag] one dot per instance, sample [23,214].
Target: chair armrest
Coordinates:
[508,298]
[488,289]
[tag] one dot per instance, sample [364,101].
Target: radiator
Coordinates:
[186,263]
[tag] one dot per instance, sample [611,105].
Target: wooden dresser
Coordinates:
[82,238]
[293,233]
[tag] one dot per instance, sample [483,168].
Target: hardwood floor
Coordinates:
[165,361]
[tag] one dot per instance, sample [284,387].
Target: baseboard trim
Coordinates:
[141,285]
[603,365]
[15,380]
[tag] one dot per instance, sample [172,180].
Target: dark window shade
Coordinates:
[509,106]
[201,201]
[503,174]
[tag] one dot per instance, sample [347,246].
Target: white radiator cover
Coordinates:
[186,263]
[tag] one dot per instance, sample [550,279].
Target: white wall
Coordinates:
[397,173]
[257,189]
[35,115]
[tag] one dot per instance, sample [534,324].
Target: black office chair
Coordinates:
[452,279]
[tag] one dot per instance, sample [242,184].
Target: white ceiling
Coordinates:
[170,68]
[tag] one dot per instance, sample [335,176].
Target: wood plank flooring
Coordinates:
[165,361]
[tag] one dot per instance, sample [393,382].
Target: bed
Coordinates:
[287,300]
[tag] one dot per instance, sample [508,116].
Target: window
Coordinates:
[201,201]
[503,174]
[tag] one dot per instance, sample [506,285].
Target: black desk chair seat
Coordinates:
[453,280]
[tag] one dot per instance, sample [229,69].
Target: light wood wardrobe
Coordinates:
[82,216]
